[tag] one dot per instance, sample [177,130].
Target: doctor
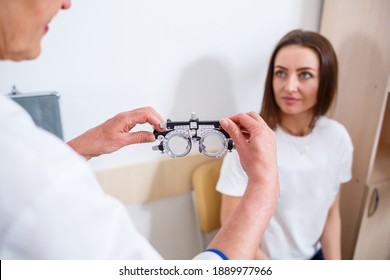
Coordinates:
[51,205]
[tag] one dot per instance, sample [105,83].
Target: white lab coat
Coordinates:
[51,205]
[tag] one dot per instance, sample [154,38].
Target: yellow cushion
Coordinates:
[207,199]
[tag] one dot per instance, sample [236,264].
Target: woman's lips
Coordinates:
[290,100]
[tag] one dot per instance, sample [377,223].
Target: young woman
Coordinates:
[314,153]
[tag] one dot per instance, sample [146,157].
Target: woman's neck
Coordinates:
[297,125]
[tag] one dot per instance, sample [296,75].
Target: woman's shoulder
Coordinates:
[332,128]
[325,123]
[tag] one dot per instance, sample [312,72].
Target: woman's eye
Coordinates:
[280,74]
[306,75]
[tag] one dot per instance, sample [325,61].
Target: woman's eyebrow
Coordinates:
[299,69]
[307,68]
[280,66]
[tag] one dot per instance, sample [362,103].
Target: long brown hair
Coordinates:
[270,111]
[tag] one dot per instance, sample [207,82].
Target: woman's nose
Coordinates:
[66,4]
[292,84]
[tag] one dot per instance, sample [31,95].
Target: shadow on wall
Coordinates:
[205,87]
[308,19]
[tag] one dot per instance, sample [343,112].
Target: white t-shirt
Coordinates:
[311,169]
[51,205]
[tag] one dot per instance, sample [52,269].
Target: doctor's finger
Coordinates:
[139,137]
[234,130]
[249,122]
[141,116]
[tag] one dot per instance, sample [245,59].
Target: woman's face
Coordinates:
[296,80]
[23,23]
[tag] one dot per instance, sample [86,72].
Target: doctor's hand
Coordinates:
[115,133]
[255,143]
[241,233]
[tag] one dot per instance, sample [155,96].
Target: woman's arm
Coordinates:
[228,204]
[260,255]
[331,236]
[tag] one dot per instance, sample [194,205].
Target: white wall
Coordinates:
[177,56]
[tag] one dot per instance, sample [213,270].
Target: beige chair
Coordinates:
[207,199]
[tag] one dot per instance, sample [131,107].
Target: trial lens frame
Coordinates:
[192,131]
